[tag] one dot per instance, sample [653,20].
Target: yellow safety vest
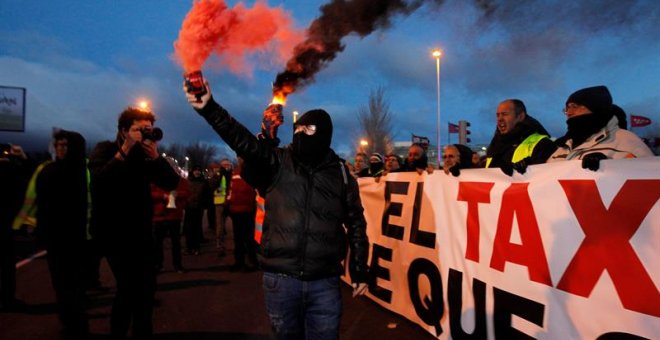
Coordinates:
[28,214]
[524,150]
[220,194]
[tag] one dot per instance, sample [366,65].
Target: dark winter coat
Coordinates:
[121,194]
[61,189]
[306,208]
[502,147]
[200,193]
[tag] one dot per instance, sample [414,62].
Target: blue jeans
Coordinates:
[303,309]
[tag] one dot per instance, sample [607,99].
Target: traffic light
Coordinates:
[463,132]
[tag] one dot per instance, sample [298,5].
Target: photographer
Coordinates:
[122,172]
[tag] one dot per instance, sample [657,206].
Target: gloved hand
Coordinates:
[507,169]
[455,170]
[592,161]
[197,101]
[272,119]
[521,166]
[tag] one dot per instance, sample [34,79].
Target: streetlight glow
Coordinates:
[363,142]
[143,104]
[437,53]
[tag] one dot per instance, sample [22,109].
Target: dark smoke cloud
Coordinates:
[588,15]
[538,38]
[338,19]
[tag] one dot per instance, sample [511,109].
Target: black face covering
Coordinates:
[582,127]
[374,168]
[312,149]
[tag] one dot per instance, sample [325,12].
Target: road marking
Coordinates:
[23,262]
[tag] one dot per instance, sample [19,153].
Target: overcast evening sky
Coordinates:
[83,62]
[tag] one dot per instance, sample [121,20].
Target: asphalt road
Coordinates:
[207,302]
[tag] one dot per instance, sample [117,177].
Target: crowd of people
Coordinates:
[120,203]
[596,130]
[126,198]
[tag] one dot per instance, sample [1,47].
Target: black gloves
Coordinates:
[592,161]
[520,167]
[507,169]
[455,170]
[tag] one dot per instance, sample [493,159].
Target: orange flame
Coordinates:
[280,94]
[279,98]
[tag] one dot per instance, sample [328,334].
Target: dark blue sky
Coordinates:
[83,62]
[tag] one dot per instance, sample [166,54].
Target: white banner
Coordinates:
[558,253]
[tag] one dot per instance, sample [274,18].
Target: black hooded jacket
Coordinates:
[502,147]
[121,195]
[307,206]
[61,189]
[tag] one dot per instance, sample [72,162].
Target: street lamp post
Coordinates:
[437,53]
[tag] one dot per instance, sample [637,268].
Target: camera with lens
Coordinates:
[153,134]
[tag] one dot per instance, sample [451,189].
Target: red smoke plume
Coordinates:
[233,35]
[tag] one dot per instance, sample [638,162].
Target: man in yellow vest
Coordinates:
[519,139]
[220,186]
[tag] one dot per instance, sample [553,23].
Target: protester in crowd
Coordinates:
[220,186]
[376,166]
[209,207]
[476,160]
[456,157]
[309,198]
[242,210]
[15,170]
[392,163]
[168,216]
[63,210]
[519,139]
[593,132]
[200,191]
[417,160]
[360,164]
[122,173]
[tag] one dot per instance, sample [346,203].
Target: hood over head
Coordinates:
[312,148]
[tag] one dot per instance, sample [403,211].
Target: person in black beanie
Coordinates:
[519,139]
[313,215]
[376,166]
[593,132]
